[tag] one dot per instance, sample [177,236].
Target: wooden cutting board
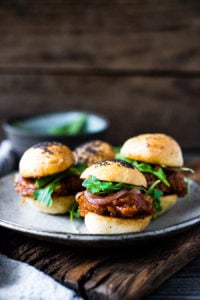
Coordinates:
[125,273]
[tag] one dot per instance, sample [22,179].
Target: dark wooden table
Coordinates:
[124,273]
[135,62]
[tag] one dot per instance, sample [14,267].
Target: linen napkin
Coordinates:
[19,281]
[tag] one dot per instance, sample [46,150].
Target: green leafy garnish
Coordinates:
[156,199]
[95,186]
[146,168]
[43,181]
[70,128]
[44,195]
[46,185]
[155,194]
[74,212]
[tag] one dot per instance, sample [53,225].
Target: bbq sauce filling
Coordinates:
[172,180]
[123,203]
[43,189]
[117,199]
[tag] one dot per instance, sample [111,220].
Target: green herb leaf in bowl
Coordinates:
[75,127]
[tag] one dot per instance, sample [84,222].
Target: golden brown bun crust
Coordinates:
[98,224]
[61,205]
[115,171]
[94,151]
[45,159]
[166,203]
[154,148]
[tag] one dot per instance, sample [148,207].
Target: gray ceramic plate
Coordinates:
[59,229]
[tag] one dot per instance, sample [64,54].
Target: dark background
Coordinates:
[136,62]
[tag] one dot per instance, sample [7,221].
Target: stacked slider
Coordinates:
[114,200]
[159,157]
[48,177]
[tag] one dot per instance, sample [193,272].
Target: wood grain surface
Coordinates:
[132,272]
[116,35]
[132,104]
[136,62]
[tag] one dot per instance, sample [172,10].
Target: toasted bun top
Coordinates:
[115,171]
[154,148]
[45,159]
[94,151]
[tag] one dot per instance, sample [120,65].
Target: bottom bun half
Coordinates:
[166,203]
[99,224]
[61,205]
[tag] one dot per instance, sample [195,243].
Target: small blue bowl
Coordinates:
[26,131]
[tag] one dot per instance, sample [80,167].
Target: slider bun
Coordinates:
[115,171]
[61,205]
[98,224]
[93,151]
[166,203]
[154,148]
[45,159]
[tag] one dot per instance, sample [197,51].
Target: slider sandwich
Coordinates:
[93,151]
[159,157]
[48,177]
[116,198]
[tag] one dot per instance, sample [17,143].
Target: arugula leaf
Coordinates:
[47,185]
[151,188]
[156,199]
[74,212]
[77,126]
[44,195]
[146,168]
[95,186]
[155,194]
[41,182]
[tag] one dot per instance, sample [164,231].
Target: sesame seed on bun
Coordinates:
[115,171]
[94,151]
[45,159]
